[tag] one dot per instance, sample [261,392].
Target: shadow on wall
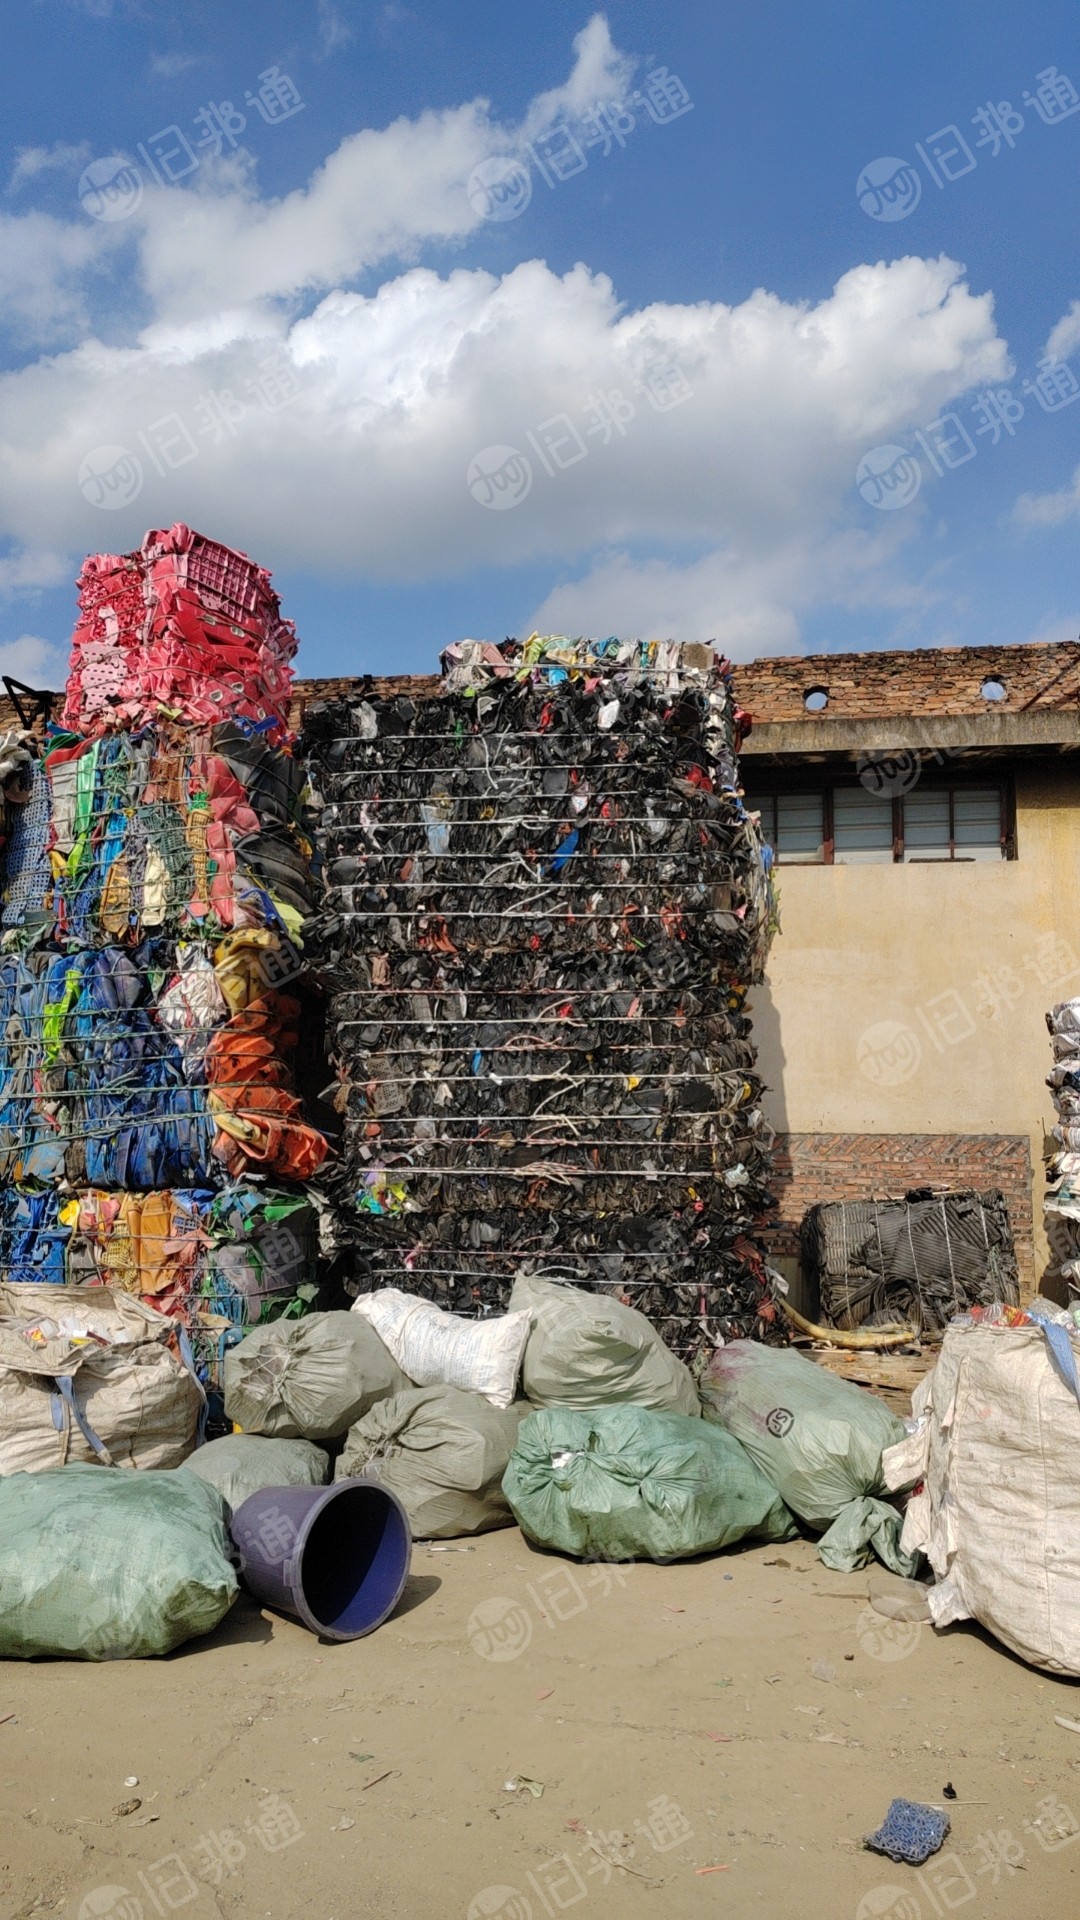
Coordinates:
[767,1038]
[782,1243]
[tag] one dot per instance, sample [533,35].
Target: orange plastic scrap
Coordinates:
[258,1116]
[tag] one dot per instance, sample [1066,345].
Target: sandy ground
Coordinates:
[672,1715]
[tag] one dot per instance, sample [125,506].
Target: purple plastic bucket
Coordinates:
[337,1557]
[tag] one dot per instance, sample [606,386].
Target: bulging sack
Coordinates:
[308,1379]
[818,1439]
[624,1483]
[588,1350]
[443,1452]
[89,1374]
[110,1566]
[998,1514]
[440,1349]
[241,1464]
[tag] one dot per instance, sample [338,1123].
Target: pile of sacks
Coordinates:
[571,1416]
[155,892]
[1062,1204]
[546,905]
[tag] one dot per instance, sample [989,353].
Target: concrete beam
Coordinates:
[993,732]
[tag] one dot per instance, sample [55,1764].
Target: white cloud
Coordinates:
[364,472]
[170,66]
[37,662]
[30,569]
[1049,509]
[1065,337]
[381,196]
[751,606]
[335,31]
[599,73]
[47,270]
[30,162]
[742,497]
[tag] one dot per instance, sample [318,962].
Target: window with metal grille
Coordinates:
[848,825]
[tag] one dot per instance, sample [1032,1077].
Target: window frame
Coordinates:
[785,783]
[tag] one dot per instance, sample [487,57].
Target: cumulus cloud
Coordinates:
[706,453]
[381,196]
[1065,337]
[363,468]
[48,268]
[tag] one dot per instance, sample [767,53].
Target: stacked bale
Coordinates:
[157,883]
[920,1260]
[1062,1204]
[546,904]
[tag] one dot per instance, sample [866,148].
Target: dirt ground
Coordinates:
[692,1760]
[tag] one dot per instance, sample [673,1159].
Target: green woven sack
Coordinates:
[625,1483]
[820,1442]
[819,1439]
[103,1564]
[240,1464]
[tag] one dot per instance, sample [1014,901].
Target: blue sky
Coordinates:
[641,403]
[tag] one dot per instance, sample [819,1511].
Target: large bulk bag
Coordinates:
[440,1349]
[818,1439]
[589,1350]
[91,1374]
[110,1566]
[308,1379]
[240,1464]
[624,1483]
[998,1514]
[443,1452]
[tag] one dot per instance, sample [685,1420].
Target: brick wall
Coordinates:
[932,681]
[818,1167]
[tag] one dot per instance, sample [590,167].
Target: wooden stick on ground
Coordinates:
[859,1337]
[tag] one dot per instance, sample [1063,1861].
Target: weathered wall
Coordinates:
[932,681]
[910,999]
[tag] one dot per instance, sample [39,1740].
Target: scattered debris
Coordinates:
[910,1831]
[522,1784]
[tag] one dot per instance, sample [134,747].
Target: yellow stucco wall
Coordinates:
[911,999]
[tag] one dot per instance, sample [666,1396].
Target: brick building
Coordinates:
[924,809]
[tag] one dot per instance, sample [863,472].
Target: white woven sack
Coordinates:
[440,1349]
[998,1515]
[118,1398]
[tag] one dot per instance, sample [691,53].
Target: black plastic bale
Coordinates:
[921,1259]
[544,906]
